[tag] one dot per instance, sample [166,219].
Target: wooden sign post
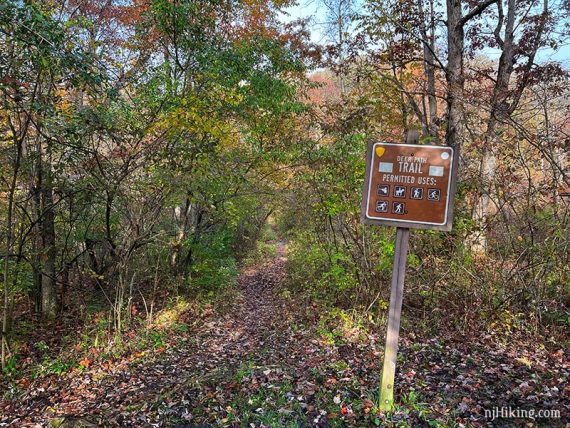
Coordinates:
[393,332]
[407,186]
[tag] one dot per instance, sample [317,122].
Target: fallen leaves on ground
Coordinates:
[263,363]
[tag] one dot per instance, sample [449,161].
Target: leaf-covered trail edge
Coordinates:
[266,362]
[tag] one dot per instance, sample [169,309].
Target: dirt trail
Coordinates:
[266,362]
[176,387]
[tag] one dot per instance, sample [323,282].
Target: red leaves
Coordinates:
[24,382]
[232,386]
[85,363]
[558,355]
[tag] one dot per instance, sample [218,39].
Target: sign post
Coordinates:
[393,332]
[407,186]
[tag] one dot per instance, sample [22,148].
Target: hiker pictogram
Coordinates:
[417,193]
[399,208]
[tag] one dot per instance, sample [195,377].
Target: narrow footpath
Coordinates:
[266,362]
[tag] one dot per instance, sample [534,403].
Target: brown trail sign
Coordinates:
[407,186]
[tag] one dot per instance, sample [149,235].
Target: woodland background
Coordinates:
[150,149]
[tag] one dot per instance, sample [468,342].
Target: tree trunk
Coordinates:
[341,48]
[484,206]
[36,241]
[454,73]
[181,217]
[8,250]
[48,251]
[428,36]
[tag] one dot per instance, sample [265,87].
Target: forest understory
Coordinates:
[266,360]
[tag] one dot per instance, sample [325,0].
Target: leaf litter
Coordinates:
[264,363]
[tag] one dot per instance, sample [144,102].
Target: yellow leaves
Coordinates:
[524,361]
[62,103]
[200,117]
[169,316]
[94,275]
